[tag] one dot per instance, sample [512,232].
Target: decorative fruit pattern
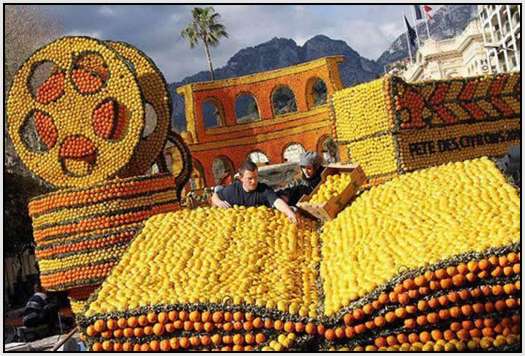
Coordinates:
[362,110]
[81,233]
[334,185]
[391,127]
[88,73]
[413,220]
[248,255]
[155,91]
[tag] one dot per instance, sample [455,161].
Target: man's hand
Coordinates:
[293,218]
[284,208]
[223,204]
[218,202]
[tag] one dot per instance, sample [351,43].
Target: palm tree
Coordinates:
[204,27]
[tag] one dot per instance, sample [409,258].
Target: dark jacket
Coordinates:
[304,187]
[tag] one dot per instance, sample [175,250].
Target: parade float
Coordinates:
[424,258]
[86,102]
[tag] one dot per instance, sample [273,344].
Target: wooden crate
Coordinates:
[330,209]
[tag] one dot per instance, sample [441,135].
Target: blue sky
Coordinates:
[155,29]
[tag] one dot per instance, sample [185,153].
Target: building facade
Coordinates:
[269,117]
[461,56]
[501,30]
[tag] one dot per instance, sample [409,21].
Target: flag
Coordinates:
[419,15]
[411,32]
[427,10]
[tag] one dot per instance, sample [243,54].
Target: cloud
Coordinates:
[106,11]
[155,29]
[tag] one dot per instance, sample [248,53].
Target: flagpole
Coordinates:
[426,24]
[415,26]
[408,41]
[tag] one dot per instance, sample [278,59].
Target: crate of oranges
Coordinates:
[339,184]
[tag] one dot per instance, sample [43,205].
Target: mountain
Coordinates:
[447,22]
[278,53]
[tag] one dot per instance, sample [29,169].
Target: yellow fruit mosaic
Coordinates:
[414,220]
[154,88]
[361,110]
[250,255]
[377,155]
[75,123]
[428,123]
[334,185]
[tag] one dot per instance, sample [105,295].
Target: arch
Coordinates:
[212,113]
[246,108]
[258,157]
[197,179]
[283,100]
[316,92]
[221,168]
[292,152]
[327,148]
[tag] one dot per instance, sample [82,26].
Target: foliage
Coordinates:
[206,28]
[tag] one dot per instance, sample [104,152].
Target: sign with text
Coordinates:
[420,148]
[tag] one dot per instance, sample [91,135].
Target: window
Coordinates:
[292,152]
[316,92]
[246,109]
[222,168]
[258,158]
[212,114]
[283,101]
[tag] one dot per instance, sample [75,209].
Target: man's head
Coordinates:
[310,163]
[248,176]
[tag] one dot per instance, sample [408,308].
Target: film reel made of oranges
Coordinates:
[157,109]
[86,117]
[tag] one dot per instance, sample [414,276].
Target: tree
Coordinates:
[204,27]
[27,28]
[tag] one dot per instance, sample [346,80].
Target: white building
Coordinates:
[501,31]
[461,56]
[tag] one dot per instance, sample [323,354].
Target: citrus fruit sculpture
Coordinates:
[391,127]
[248,279]
[86,104]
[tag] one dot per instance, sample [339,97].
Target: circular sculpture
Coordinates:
[155,91]
[87,116]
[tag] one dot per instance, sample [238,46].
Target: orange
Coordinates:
[260,338]
[172,315]
[122,323]
[151,317]
[165,345]
[329,334]
[154,345]
[195,341]
[99,325]
[163,318]
[97,347]
[143,320]
[436,334]
[258,323]
[288,326]
[158,329]
[195,316]
[205,340]
[148,330]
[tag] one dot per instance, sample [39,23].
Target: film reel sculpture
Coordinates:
[91,117]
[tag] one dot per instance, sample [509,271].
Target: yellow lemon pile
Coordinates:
[414,220]
[333,186]
[363,110]
[209,255]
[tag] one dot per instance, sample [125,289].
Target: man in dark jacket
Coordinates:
[247,191]
[311,169]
